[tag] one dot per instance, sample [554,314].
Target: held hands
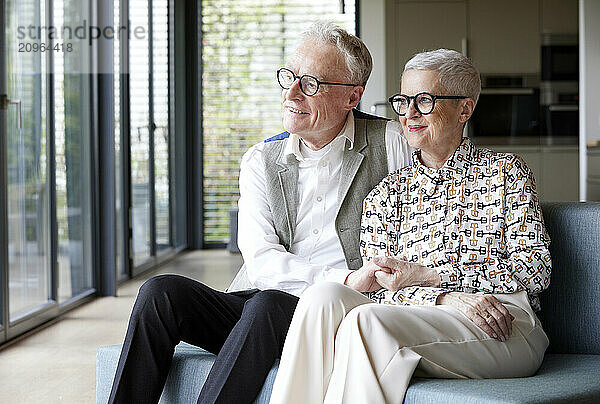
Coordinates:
[392,274]
[396,274]
[363,279]
[484,310]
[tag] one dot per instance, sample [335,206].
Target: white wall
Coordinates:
[372,32]
[589,84]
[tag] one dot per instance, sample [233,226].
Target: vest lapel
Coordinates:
[352,160]
[288,179]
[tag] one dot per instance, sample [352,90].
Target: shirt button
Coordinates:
[323,164]
[319,199]
[315,231]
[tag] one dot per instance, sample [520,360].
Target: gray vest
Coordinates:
[363,167]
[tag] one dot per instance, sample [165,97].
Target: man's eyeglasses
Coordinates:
[309,85]
[424,102]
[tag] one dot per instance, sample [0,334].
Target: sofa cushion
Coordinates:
[560,379]
[188,373]
[570,315]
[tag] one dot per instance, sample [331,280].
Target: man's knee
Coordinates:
[158,285]
[167,292]
[271,302]
[269,312]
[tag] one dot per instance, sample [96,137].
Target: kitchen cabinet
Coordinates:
[559,16]
[413,27]
[594,162]
[555,168]
[501,37]
[504,36]
[560,173]
[593,174]
[593,190]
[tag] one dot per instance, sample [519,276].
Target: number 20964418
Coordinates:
[43,47]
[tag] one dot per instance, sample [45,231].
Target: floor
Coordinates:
[58,363]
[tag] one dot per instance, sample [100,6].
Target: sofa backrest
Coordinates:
[571,305]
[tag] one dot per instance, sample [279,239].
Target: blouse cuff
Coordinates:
[424,296]
[449,275]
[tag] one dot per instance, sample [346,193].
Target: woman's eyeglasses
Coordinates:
[423,102]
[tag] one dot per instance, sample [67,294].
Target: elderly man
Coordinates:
[299,212]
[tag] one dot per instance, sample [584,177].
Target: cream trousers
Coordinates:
[343,348]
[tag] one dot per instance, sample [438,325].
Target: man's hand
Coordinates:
[399,273]
[484,310]
[363,279]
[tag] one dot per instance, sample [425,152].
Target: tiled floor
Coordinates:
[57,364]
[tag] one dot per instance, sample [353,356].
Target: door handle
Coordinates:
[5,102]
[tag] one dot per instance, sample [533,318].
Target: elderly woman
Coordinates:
[457,253]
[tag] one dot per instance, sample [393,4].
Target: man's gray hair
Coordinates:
[457,74]
[357,56]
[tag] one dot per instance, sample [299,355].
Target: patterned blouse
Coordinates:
[476,221]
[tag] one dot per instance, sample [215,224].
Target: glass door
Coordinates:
[160,117]
[139,71]
[45,165]
[121,211]
[149,132]
[25,174]
[72,117]
[3,196]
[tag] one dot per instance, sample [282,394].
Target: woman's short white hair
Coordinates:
[357,56]
[457,74]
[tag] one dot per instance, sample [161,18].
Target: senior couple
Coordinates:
[373,249]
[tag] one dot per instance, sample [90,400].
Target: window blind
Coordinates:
[244,42]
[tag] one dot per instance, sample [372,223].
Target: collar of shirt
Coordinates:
[292,146]
[454,168]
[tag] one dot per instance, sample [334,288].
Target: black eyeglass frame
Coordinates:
[433,98]
[299,78]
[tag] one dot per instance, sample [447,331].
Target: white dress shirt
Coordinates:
[316,252]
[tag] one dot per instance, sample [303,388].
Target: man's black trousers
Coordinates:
[246,330]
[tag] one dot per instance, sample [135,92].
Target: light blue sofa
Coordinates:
[570,315]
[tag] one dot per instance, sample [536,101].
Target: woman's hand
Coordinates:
[399,273]
[363,279]
[484,310]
